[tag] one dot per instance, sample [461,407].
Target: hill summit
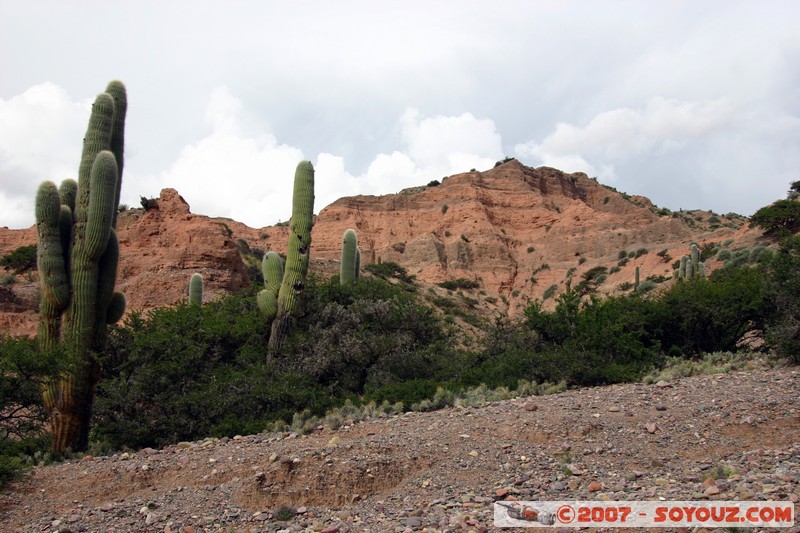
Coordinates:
[515,233]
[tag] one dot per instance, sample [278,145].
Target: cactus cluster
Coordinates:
[196,289]
[350,265]
[690,266]
[77,254]
[280,299]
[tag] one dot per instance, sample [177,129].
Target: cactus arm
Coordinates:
[49,252]
[68,190]
[267,303]
[116,308]
[272,270]
[97,139]
[117,145]
[107,274]
[682,267]
[101,204]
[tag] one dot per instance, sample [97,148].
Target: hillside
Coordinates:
[729,436]
[518,232]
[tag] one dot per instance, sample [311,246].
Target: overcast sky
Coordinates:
[694,104]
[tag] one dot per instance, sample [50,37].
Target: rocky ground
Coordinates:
[720,437]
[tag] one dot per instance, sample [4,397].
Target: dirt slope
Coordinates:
[723,437]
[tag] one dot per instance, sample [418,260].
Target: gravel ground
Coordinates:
[730,436]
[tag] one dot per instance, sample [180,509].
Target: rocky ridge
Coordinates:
[514,230]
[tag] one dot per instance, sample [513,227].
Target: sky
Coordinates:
[695,105]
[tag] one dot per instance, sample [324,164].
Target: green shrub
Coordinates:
[780,219]
[550,291]
[21,259]
[22,418]
[460,283]
[710,315]
[783,293]
[389,269]
[188,372]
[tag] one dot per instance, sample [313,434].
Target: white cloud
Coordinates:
[247,175]
[33,129]
[662,126]
[230,172]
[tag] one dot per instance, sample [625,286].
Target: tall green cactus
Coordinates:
[636,279]
[348,266]
[297,256]
[78,253]
[196,289]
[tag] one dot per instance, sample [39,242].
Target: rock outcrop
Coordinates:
[514,230]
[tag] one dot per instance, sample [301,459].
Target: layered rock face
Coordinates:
[515,230]
[161,248]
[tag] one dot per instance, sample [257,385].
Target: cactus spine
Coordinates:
[297,255]
[196,289]
[78,253]
[349,264]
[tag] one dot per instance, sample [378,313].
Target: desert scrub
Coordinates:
[711,363]
[549,291]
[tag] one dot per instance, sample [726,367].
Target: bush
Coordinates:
[389,269]
[711,315]
[460,283]
[187,372]
[22,418]
[148,203]
[783,327]
[600,341]
[21,259]
[780,219]
[550,291]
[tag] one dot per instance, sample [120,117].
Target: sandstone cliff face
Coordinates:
[161,248]
[515,230]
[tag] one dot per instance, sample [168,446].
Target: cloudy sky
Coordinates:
[693,104]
